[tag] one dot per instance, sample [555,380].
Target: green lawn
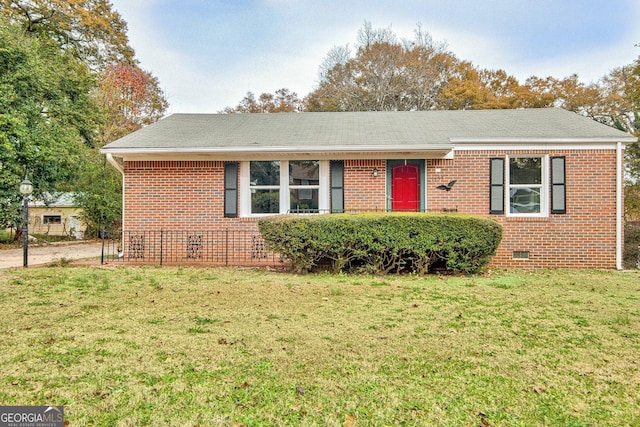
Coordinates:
[230,347]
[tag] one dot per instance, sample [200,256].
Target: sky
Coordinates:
[207,54]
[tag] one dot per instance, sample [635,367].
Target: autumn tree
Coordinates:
[418,74]
[464,90]
[614,100]
[129,99]
[90,29]
[632,79]
[621,94]
[282,101]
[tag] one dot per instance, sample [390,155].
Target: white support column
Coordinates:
[619,204]
[243,190]
[325,185]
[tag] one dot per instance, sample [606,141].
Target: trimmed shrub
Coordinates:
[383,243]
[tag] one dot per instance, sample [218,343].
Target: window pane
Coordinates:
[304,199]
[525,200]
[265,201]
[304,172]
[265,173]
[52,219]
[525,170]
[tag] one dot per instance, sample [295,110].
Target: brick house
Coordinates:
[552,178]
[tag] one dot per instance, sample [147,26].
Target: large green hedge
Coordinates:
[383,243]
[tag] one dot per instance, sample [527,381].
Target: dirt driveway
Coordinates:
[45,254]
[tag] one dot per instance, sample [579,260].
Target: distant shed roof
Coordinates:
[55,200]
[185,132]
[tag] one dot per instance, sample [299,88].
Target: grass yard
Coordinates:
[231,347]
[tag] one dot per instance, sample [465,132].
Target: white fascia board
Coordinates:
[275,149]
[535,146]
[500,143]
[284,153]
[628,139]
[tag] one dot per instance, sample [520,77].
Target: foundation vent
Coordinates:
[520,254]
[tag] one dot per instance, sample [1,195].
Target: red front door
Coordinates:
[405,188]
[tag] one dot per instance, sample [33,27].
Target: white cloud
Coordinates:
[200,73]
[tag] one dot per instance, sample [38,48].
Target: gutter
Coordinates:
[257,149]
[114,163]
[541,140]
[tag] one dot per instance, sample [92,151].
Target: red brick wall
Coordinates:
[188,195]
[177,195]
[584,237]
[363,191]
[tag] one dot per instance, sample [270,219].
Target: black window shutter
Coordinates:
[496,191]
[231,190]
[337,186]
[558,186]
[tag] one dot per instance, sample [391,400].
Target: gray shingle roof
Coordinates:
[185,132]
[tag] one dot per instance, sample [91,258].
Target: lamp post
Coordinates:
[26,188]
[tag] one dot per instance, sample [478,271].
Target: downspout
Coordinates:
[619,204]
[117,165]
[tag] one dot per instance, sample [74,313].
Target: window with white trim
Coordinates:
[265,187]
[286,186]
[51,219]
[304,186]
[527,186]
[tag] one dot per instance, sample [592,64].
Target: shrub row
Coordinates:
[383,243]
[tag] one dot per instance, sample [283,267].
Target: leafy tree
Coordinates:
[632,201]
[627,102]
[95,33]
[283,101]
[623,95]
[69,84]
[101,204]
[47,117]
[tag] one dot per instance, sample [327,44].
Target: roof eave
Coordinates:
[279,150]
[626,139]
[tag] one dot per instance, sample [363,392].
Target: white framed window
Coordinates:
[51,219]
[304,186]
[264,186]
[526,179]
[283,186]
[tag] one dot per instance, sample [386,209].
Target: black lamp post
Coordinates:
[26,188]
